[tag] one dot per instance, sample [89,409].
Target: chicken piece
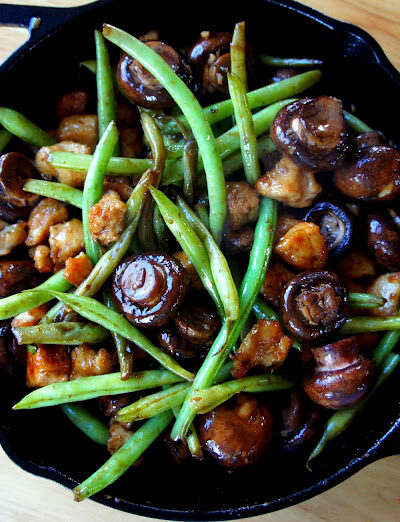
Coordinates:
[121,184]
[355,266]
[303,247]
[48,212]
[16,276]
[286,182]
[107,218]
[242,204]
[264,346]
[69,177]
[194,279]
[30,318]
[130,142]
[42,259]
[387,286]
[237,241]
[72,103]
[81,128]
[87,362]
[285,222]
[275,282]
[11,236]
[77,269]
[49,364]
[66,240]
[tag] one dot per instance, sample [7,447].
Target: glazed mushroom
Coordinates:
[140,86]
[16,276]
[342,377]
[312,132]
[373,174]
[383,238]
[237,433]
[282,74]
[149,288]
[173,344]
[314,304]
[369,139]
[197,324]
[299,422]
[336,223]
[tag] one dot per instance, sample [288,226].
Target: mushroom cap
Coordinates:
[383,239]
[282,74]
[369,139]
[196,324]
[15,169]
[16,276]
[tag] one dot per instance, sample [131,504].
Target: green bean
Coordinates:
[93,189]
[113,321]
[31,349]
[201,129]
[190,164]
[357,325]
[15,123]
[245,124]
[274,61]
[87,423]
[356,124]
[155,140]
[360,300]
[189,242]
[238,55]
[91,65]
[86,388]
[60,333]
[146,235]
[201,211]
[385,346]
[123,459]
[55,190]
[192,440]
[225,341]
[5,138]
[28,299]
[219,266]
[159,228]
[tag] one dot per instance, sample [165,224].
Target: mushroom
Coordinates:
[140,86]
[237,433]
[177,449]
[312,132]
[342,377]
[72,103]
[336,223]
[110,405]
[16,276]
[383,238]
[282,74]
[197,324]
[373,174]
[176,346]
[299,422]
[314,304]
[149,288]
[369,139]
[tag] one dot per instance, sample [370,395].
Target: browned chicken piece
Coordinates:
[236,241]
[16,276]
[71,103]
[69,177]
[355,266]
[30,318]
[48,212]
[194,279]
[42,259]
[81,128]
[275,282]
[290,184]
[121,184]
[387,286]
[49,364]
[77,269]
[107,218]
[11,236]
[87,362]
[284,223]
[66,240]
[264,346]
[303,247]
[242,204]
[130,143]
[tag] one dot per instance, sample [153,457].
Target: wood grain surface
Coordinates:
[373,494]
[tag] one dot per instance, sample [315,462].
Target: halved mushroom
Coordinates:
[314,304]
[141,87]
[342,376]
[373,174]
[383,239]
[312,132]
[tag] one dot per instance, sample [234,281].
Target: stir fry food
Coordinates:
[206,260]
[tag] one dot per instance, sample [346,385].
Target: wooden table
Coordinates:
[373,494]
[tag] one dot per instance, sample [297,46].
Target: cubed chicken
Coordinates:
[48,212]
[275,282]
[77,269]
[387,286]
[81,128]
[87,362]
[49,364]
[242,204]
[41,257]
[66,240]
[11,236]
[107,218]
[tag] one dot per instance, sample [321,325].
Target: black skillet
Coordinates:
[357,71]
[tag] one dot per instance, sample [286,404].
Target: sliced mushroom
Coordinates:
[342,376]
[16,276]
[15,169]
[238,241]
[383,239]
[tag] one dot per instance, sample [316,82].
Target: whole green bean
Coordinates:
[274,61]
[15,123]
[55,190]
[360,300]
[238,55]
[201,211]
[86,388]
[5,138]
[87,423]
[60,333]
[123,459]
[153,135]
[189,105]
[146,235]
[357,325]
[356,124]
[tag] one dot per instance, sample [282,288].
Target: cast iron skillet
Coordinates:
[43,442]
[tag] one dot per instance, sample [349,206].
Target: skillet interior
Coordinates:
[44,442]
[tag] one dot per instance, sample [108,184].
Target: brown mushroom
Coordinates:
[16,276]
[177,449]
[149,288]
[111,404]
[141,87]
[238,241]
[342,377]
[299,422]
[282,74]
[373,174]
[383,239]
[72,103]
[369,139]
[197,324]
[173,344]
[237,433]
[312,132]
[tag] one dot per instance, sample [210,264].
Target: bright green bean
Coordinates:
[24,129]
[123,459]
[356,124]
[60,333]
[191,108]
[87,423]
[87,388]
[55,190]
[360,300]
[357,325]
[238,54]
[274,61]
[5,138]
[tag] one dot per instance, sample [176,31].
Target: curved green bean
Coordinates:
[5,138]
[357,325]
[15,123]
[60,333]
[87,423]
[153,136]
[355,124]
[361,300]
[385,346]
[238,54]
[55,190]
[274,61]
